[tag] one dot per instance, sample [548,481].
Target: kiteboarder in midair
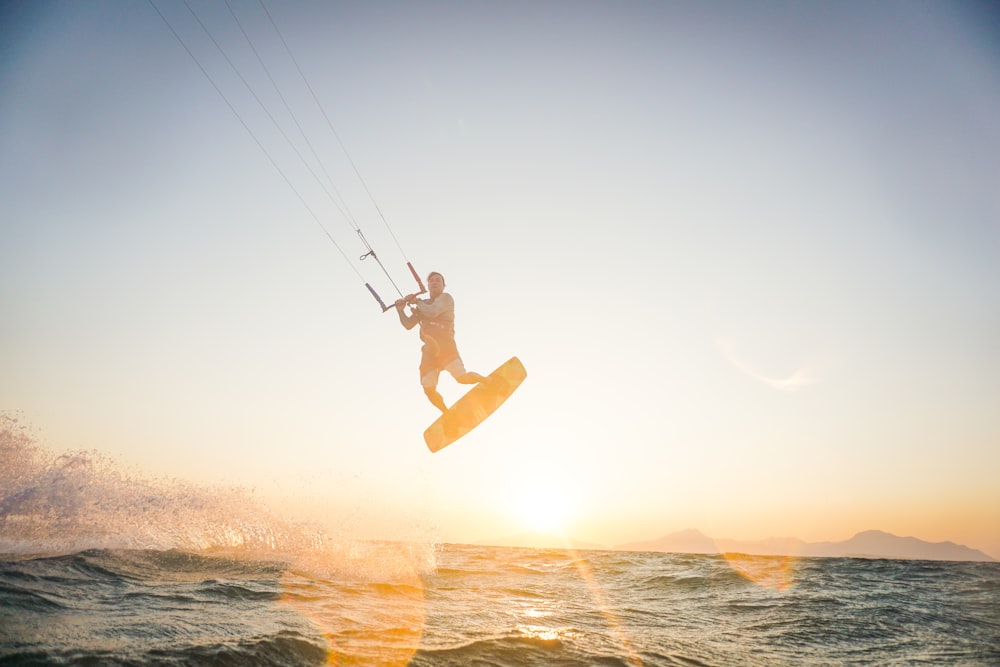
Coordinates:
[436,317]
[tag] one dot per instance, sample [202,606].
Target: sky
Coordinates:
[748,252]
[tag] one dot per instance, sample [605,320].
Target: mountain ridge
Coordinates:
[865,544]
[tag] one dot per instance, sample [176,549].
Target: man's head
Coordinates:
[435,283]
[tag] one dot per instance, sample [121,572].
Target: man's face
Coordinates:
[435,284]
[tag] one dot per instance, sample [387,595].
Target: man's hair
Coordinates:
[435,273]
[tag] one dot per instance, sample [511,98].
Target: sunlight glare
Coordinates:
[541,505]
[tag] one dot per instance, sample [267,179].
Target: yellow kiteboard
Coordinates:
[477,404]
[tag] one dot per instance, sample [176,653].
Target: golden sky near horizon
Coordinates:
[748,256]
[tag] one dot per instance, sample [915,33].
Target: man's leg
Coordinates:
[470,378]
[462,376]
[429,381]
[435,398]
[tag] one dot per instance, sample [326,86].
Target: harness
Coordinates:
[439,347]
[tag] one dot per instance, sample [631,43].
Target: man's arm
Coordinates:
[408,321]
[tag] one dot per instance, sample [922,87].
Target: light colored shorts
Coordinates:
[430,378]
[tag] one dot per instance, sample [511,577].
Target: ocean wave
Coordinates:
[514,649]
[287,648]
[148,607]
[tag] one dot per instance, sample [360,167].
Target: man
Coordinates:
[436,317]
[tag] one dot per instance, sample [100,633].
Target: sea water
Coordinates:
[97,568]
[474,605]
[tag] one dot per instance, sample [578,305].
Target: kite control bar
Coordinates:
[416,276]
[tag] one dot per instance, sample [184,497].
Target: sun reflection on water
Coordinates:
[544,633]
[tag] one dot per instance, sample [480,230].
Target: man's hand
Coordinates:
[408,300]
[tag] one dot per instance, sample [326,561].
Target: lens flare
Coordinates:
[381,583]
[601,602]
[776,572]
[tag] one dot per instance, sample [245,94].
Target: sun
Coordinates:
[541,505]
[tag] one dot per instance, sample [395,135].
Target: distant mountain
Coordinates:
[879,544]
[684,542]
[867,544]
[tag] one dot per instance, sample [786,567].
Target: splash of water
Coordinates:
[59,504]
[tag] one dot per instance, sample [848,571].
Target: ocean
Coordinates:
[409,604]
[99,566]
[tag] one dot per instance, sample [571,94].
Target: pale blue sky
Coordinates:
[747,252]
